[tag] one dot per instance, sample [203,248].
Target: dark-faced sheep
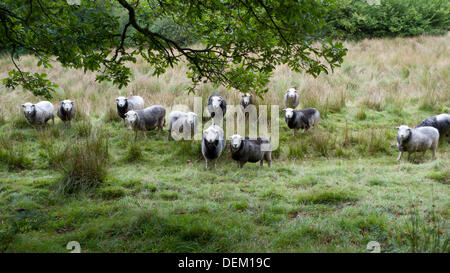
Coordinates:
[440,122]
[291,98]
[301,119]
[246,100]
[217,106]
[213,143]
[39,113]
[66,111]
[413,140]
[181,122]
[127,104]
[146,119]
[245,150]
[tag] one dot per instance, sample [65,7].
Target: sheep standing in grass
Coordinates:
[440,122]
[127,104]
[217,106]
[66,111]
[183,123]
[302,119]
[291,98]
[213,143]
[417,140]
[146,119]
[39,113]
[250,150]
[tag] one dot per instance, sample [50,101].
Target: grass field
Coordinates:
[333,189]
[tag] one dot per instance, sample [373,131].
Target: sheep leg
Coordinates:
[145,134]
[135,135]
[269,158]
[409,156]
[261,162]
[434,152]
[399,156]
[169,137]
[206,166]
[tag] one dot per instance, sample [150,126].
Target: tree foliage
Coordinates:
[357,19]
[240,41]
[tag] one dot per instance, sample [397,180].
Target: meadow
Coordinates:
[333,189]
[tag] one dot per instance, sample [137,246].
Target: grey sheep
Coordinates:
[183,122]
[39,113]
[417,140]
[302,119]
[291,98]
[127,104]
[440,122]
[245,150]
[213,143]
[146,119]
[66,111]
[217,106]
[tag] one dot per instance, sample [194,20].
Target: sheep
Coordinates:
[417,140]
[213,143]
[39,113]
[126,104]
[179,121]
[440,122]
[291,98]
[250,150]
[246,100]
[302,119]
[146,119]
[66,111]
[217,105]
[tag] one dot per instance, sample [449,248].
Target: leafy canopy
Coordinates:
[240,41]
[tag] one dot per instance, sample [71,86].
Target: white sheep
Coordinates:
[39,113]
[291,98]
[417,140]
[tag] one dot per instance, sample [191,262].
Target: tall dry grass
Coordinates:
[376,74]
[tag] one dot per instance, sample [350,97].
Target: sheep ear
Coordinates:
[23,105]
[71,102]
[117,100]
[397,127]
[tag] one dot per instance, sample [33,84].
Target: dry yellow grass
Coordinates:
[375,73]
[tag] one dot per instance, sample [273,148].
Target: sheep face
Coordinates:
[216,101]
[235,142]
[211,136]
[29,109]
[246,99]
[289,113]
[131,118]
[292,92]
[67,105]
[121,101]
[191,117]
[403,132]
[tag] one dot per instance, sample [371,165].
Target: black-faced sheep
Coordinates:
[213,143]
[39,113]
[417,140]
[291,98]
[440,122]
[66,111]
[146,119]
[182,122]
[301,119]
[217,106]
[127,104]
[245,150]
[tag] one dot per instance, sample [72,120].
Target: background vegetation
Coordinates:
[332,189]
